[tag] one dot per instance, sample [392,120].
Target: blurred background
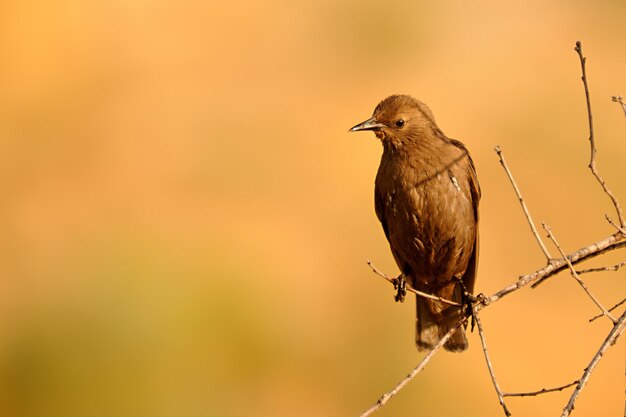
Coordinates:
[185,221]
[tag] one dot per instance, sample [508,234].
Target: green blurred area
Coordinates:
[185,221]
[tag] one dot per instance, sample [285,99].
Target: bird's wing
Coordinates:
[470,273]
[379,206]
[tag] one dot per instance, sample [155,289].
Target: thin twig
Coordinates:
[610,309]
[602,269]
[490,367]
[620,100]
[557,265]
[382,274]
[382,400]
[612,223]
[610,340]
[575,274]
[592,162]
[521,201]
[610,243]
[541,391]
[534,278]
[411,289]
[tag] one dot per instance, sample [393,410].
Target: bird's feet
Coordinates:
[469,301]
[399,284]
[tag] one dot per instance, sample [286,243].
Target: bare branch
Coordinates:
[575,274]
[521,201]
[610,309]
[610,340]
[382,400]
[541,391]
[411,289]
[381,274]
[490,367]
[602,269]
[592,162]
[608,244]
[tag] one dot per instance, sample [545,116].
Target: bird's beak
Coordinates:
[369,124]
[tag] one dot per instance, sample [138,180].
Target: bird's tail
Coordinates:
[432,325]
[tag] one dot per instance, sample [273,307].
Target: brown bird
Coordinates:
[426,198]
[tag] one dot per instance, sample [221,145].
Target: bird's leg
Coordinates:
[468,305]
[467,301]
[472,300]
[399,284]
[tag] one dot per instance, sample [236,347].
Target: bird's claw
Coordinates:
[469,300]
[399,284]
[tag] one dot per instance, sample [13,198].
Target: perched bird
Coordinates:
[426,197]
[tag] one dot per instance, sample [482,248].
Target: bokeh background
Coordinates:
[184,219]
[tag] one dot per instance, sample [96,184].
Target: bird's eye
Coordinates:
[400,123]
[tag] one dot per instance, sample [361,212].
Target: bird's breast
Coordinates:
[428,217]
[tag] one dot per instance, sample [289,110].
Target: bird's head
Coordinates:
[399,119]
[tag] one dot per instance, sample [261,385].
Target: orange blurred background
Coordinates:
[185,220]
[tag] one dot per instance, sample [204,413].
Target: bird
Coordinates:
[426,197]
